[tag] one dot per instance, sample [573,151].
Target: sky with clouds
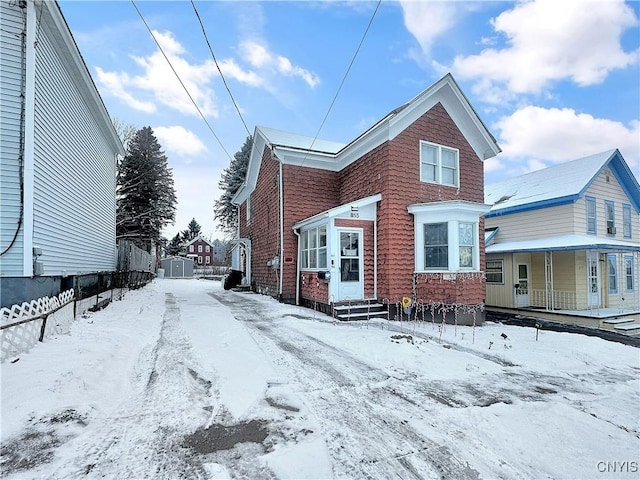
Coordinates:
[553,81]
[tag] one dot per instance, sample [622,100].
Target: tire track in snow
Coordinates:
[364,423]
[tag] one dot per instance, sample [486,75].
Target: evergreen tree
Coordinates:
[193,230]
[232,178]
[146,200]
[175,245]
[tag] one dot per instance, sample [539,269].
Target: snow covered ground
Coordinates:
[182,379]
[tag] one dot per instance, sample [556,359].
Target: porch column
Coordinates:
[548,280]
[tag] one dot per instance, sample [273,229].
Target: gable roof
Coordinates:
[295,149]
[199,237]
[559,184]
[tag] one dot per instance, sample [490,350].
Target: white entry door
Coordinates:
[351,271]
[522,286]
[593,278]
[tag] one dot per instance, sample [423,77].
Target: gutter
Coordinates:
[297,234]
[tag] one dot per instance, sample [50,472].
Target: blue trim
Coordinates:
[588,199]
[615,273]
[633,280]
[626,208]
[491,235]
[552,202]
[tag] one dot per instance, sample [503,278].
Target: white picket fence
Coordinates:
[22,326]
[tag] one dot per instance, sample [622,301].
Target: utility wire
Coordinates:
[179,79]
[344,78]
[218,66]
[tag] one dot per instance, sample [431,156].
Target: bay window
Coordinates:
[447,236]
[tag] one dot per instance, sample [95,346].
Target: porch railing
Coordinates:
[556,299]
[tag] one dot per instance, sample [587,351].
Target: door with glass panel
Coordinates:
[522,287]
[593,278]
[350,274]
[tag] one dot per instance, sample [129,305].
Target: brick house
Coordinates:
[201,251]
[397,212]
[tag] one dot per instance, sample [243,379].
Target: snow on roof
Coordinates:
[564,180]
[564,242]
[303,142]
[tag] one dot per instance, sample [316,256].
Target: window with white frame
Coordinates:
[590,204]
[495,271]
[626,221]
[207,259]
[207,248]
[313,248]
[446,236]
[612,273]
[199,259]
[191,248]
[439,164]
[610,217]
[199,248]
[628,273]
[248,210]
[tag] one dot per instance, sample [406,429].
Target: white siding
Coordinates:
[74,165]
[12,25]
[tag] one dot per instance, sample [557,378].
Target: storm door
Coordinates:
[522,287]
[350,275]
[593,278]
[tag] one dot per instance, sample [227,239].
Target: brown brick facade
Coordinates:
[391,169]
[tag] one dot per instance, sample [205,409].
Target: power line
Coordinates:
[344,78]
[179,79]
[218,66]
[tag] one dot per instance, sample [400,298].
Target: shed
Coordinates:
[177,267]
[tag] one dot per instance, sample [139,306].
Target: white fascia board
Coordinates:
[449,209]
[305,158]
[447,92]
[336,211]
[74,60]
[255,160]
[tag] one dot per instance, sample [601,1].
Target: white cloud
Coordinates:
[180,140]
[534,137]
[116,84]
[426,21]
[549,41]
[267,62]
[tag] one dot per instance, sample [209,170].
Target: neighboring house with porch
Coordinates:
[58,155]
[566,240]
[396,212]
[201,251]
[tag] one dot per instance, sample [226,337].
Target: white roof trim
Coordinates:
[564,242]
[334,212]
[450,206]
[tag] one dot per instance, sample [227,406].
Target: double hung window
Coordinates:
[439,164]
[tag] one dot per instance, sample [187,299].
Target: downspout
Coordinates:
[297,234]
[281,199]
[375,256]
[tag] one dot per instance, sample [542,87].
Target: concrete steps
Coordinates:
[622,325]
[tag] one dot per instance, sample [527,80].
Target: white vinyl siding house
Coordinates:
[12,22]
[70,152]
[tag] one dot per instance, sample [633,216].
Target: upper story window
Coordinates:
[248,211]
[590,204]
[199,248]
[207,248]
[313,248]
[439,164]
[610,217]
[191,248]
[626,221]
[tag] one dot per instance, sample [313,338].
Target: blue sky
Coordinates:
[553,81]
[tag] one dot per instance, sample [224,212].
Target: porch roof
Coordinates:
[564,242]
[339,210]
